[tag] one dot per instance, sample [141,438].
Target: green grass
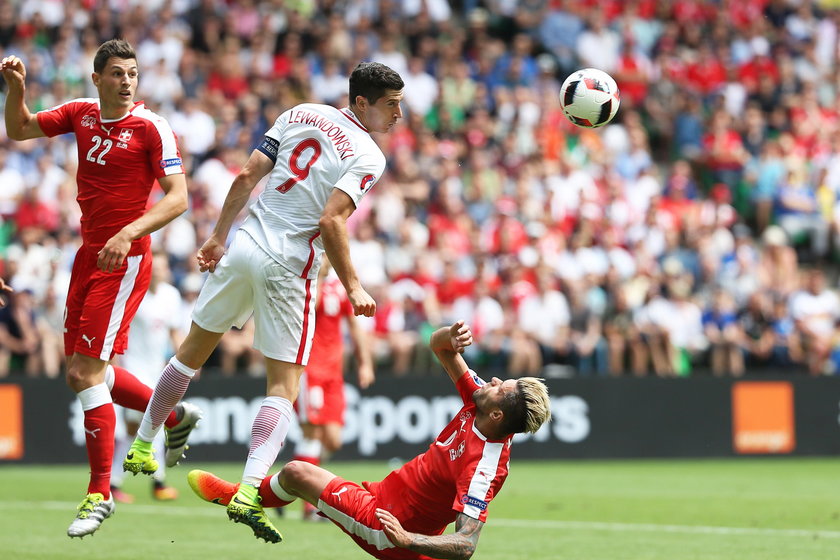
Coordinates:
[738,509]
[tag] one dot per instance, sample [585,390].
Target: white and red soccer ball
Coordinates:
[589,97]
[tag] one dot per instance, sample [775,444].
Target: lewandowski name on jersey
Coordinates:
[333,131]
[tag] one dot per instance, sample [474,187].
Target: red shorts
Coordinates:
[101,305]
[321,400]
[353,509]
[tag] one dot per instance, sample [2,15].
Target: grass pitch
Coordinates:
[737,509]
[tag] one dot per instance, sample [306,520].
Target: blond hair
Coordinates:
[527,408]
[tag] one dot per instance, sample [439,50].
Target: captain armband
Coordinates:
[269,147]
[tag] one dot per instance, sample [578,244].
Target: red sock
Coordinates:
[267,495]
[130,392]
[99,436]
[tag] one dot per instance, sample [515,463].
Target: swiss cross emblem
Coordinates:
[125,134]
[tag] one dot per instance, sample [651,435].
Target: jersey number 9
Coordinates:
[301,172]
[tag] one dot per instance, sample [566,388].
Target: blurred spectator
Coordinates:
[721,328]
[756,330]
[764,176]
[798,214]
[19,339]
[544,317]
[815,311]
[787,340]
[587,347]
[624,345]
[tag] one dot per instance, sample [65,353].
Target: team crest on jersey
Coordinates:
[125,135]
[367,181]
[89,121]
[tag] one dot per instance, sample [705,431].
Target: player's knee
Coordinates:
[75,378]
[293,474]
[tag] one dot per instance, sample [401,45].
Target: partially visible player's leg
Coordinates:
[86,376]
[226,299]
[268,433]
[128,391]
[170,388]
[99,425]
[124,433]
[308,450]
[300,479]
[308,406]
[297,479]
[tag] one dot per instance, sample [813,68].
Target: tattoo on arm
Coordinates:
[458,545]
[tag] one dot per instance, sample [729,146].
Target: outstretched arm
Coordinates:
[448,343]
[257,166]
[21,124]
[459,545]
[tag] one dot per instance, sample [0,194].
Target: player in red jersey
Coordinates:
[404,516]
[123,148]
[320,403]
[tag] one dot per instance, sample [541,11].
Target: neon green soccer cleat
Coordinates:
[211,488]
[245,508]
[140,458]
[93,510]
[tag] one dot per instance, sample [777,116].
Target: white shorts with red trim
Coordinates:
[248,281]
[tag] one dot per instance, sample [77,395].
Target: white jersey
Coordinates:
[149,341]
[320,148]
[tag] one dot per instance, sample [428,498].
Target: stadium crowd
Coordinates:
[696,234]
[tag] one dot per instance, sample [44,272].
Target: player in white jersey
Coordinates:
[322,161]
[155,331]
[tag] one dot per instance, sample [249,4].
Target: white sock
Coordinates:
[169,389]
[159,449]
[274,484]
[94,397]
[120,450]
[310,448]
[267,436]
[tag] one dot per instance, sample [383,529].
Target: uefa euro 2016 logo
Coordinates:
[88,121]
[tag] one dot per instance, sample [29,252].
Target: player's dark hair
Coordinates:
[527,408]
[371,79]
[116,48]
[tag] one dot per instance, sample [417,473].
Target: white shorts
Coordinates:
[248,281]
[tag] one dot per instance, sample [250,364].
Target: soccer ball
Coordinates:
[589,97]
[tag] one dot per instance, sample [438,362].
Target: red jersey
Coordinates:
[119,161]
[461,472]
[333,304]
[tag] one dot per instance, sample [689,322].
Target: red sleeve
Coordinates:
[58,120]
[467,384]
[481,481]
[162,149]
